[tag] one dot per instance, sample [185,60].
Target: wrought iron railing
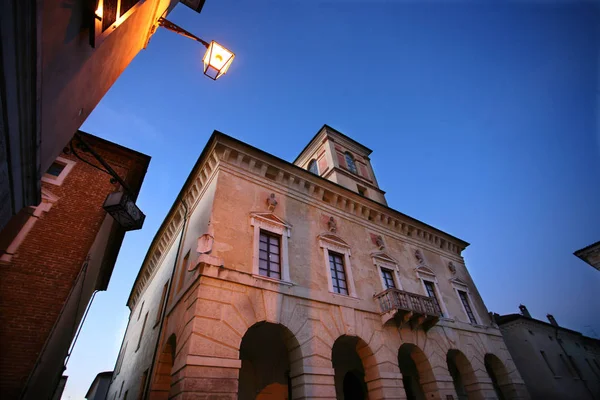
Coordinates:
[395,299]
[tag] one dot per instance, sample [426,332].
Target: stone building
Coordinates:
[53,258]
[555,362]
[590,254]
[58,59]
[273,280]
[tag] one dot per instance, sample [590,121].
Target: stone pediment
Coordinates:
[333,239]
[382,256]
[270,218]
[424,270]
[459,282]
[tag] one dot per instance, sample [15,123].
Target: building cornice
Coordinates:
[223,150]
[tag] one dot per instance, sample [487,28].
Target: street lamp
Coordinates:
[217,58]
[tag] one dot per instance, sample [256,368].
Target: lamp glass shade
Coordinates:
[217,60]
[124,211]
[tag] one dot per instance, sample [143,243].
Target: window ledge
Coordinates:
[344,296]
[447,319]
[266,278]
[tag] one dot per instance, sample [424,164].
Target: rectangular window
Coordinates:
[160,305]
[575,367]
[543,353]
[362,190]
[182,270]
[569,368]
[269,257]
[338,274]
[142,332]
[55,169]
[465,301]
[125,396]
[140,313]
[121,390]
[388,278]
[592,368]
[143,384]
[430,287]
[120,359]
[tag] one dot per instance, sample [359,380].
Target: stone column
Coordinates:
[313,383]
[210,377]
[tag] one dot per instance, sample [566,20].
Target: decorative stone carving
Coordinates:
[451,267]
[331,225]
[379,242]
[271,202]
[419,257]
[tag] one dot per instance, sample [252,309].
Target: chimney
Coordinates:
[552,320]
[524,311]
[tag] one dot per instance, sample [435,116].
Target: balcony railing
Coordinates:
[408,307]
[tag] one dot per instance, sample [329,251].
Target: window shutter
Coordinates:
[108,15]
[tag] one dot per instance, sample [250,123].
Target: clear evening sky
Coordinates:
[483,119]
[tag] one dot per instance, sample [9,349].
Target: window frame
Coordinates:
[58,180]
[97,34]
[349,157]
[545,358]
[183,268]
[271,224]
[159,312]
[464,298]
[314,163]
[328,243]
[425,274]
[139,343]
[383,261]
[269,235]
[460,286]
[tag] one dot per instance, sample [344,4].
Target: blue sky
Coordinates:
[483,120]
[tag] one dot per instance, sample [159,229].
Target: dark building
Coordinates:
[57,60]
[54,257]
[555,362]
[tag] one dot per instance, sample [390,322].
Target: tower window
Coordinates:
[312,167]
[350,163]
[362,190]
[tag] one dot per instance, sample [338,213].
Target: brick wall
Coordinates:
[36,282]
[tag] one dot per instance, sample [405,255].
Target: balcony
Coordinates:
[408,308]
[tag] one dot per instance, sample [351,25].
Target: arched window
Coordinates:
[350,163]
[312,167]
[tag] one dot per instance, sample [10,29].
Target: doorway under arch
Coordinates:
[265,355]
[161,386]
[417,374]
[499,376]
[462,374]
[349,370]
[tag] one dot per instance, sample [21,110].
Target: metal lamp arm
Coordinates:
[165,23]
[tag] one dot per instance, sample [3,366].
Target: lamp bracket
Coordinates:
[165,23]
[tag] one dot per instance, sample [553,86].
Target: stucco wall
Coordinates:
[136,362]
[526,339]
[76,76]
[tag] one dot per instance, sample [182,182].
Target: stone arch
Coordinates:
[354,366]
[463,376]
[270,356]
[501,381]
[161,384]
[417,374]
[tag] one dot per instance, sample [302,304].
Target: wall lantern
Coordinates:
[217,58]
[120,205]
[124,211]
